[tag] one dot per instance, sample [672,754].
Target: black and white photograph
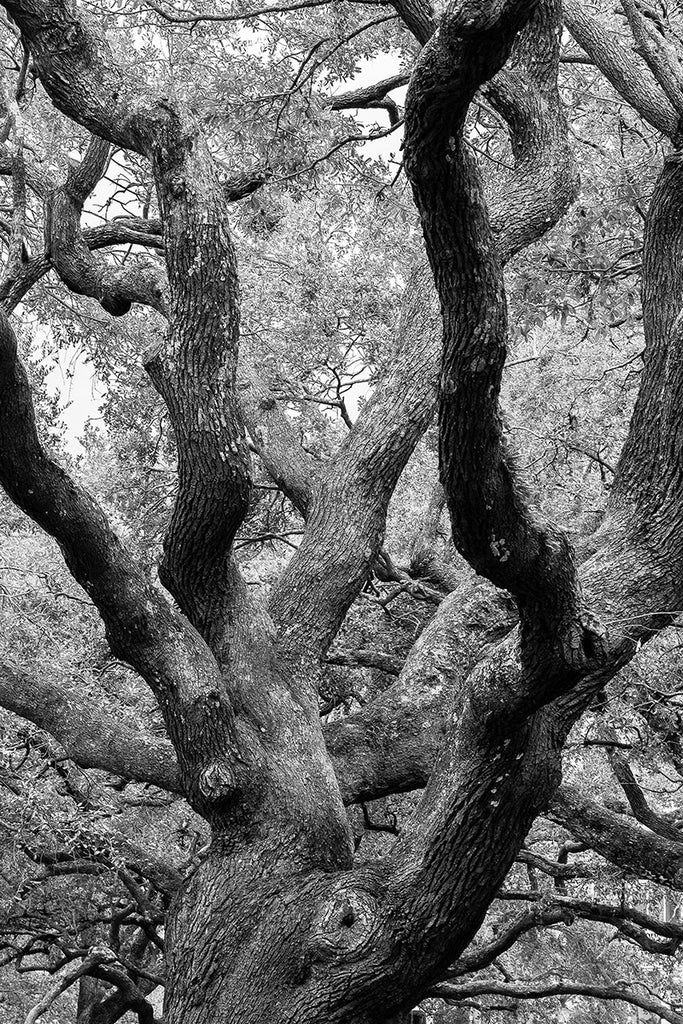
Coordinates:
[341,511]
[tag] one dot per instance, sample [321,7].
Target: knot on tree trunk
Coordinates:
[584,643]
[345,925]
[218,782]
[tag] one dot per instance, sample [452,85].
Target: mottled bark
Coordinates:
[392,743]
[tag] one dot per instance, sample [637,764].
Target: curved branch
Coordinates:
[593,910]
[483,956]
[556,869]
[140,626]
[391,745]
[221,754]
[340,546]
[623,69]
[115,288]
[619,840]
[197,379]
[492,525]
[650,467]
[273,434]
[550,911]
[88,965]
[544,181]
[82,79]
[544,990]
[636,799]
[90,735]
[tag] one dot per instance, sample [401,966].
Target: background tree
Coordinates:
[273,917]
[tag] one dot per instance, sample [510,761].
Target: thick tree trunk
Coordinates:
[245,942]
[257,947]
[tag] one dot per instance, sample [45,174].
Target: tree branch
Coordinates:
[197,380]
[649,470]
[94,960]
[619,840]
[543,990]
[492,525]
[345,527]
[222,760]
[658,52]
[370,96]
[544,181]
[362,658]
[636,799]
[551,910]
[336,556]
[418,16]
[625,71]
[91,735]
[115,288]
[275,437]
[426,562]
[140,627]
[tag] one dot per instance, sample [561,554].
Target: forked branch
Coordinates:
[197,375]
[338,551]
[140,626]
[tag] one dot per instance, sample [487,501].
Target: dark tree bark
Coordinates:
[276,923]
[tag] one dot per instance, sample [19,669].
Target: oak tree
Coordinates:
[276,921]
